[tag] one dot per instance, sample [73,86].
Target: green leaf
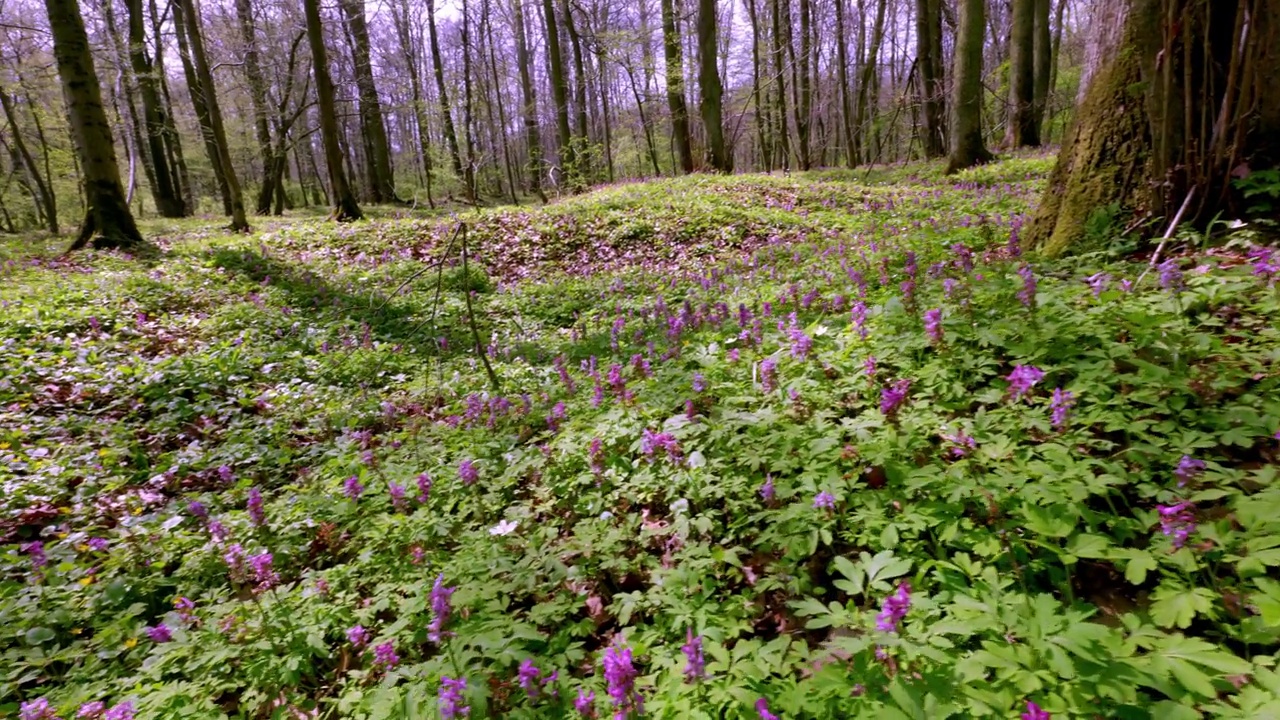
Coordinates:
[884,566]
[1139,565]
[1179,606]
[1088,546]
[40,635]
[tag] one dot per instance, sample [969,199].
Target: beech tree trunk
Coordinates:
[780,77]
[868,81]
[932,86]
[345,207]
[108,223]
[1184,102]
[673,54]
[446,114]
[967,146]
[1043,64]
[382,184]
[530,104]
[1022,130]
[709,80]
[842,81]
[412,53]
[44,194]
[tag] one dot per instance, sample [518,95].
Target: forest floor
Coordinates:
[817,446]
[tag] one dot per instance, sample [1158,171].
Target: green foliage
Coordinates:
[314,356]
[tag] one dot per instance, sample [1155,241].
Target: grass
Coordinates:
[765,427]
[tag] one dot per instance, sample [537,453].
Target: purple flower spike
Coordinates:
[762,709]
[1098,282]
[1060,408]
[585,702]
[123,711]
[1034,712]
[895,608]
[424,488]
[92,709]
[892,398]
[468,472]
[451,698]
[768,375]
[766,490]
[1022,379]
[621,675]
[1188,469]
[527,676]
[37,709]
[35,550]
[264,576]
[385,657]
[352,488]
[1177,521]
[696,667]
[933,325]
[254,505]
[398,501]
[441,607]
[699,383]
[357,636]
[1027,295]
[824,501]
[160,634]
[1170,276]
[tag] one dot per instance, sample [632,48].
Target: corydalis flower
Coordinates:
[858,314]
[933,325]
[35,550]
[1034,712]
[651,442]
[98,544]
[1022,379]
[468,473]
[766,490]
[699,383]
[264,577]
[801,344]
[159,633]
[895,608]
[1060,408]
[37,709]
[595,451]
[357,636]
[1177,521]
[762,709]
[92,709]
[1027,295]
[385,657]
[696,667]
[451,698]
[186,609]
[198,510]
[441,607]
[824,501]
[352,488]
[1170,276]
[768,375]
[123,711]
[1188,469]
[424,488]
[892,397]
[527,676]
[398,502]
[584,702]
[1266,263]
[257,514]
[1098,282]
[621,675]
[961,443]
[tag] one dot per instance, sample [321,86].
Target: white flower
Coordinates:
[506,527]
[679,506]
[606,515]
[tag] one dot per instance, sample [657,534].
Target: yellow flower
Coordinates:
[131,643]
[103,452]
[86,581]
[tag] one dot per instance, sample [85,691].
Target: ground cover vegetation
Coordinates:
[811,446]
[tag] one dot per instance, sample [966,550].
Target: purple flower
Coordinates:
[357,636]
[217,531]
[895,608]
[385,657]
[92,709]
[586,699]
[397,497]
[98,544]
[1027,295]
[869,366]
[186,609]
[1060,408]
[824,501]
[234,558]
[1170,276]
[1177,521]
[651,442]
[801,344]
[696,667]
[123,711]
[1188,469]
[198,510]
[859,316]
[766,490]
[424,488]
[1266,263]
[1034,712]
[892,397]
[468,472]
[254,505]
[527,676]
[1022,379]
[1126,285]
[762,708]
[621,675]
[264,577]
[964,257]
[933,325]
[451,698]
[595,451]
[37,709]
[441,607]
[35,549]
[352,488]
[768,375]
[1098,282]
[224,474]
[961,443]
[699,383]
[160,633]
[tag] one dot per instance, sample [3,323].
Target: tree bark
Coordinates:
[345,207]
[804,86]
[166,191]
[382,186]
[673,54]
[1043,64]
[559,88]
[44,194]
[412,53]
[842,81]
[530,104]
[108,223]
[468,125]
[487,20]
[932,85]
[868,80]
[780,77]
[709,80]
[1022,130]
[582,153]
[446,114]
[967,146]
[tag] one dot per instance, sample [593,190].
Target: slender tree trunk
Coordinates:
[163,174]
[201,109]
[709,80]
[446,114]
[867,84]
[108,223]
[468,125]
[582,155]
[675,86]
[1022,130]
[258,101]
[559,91]
[412,53]
[127,91]
[345,207]
[932,87]
[382,185]
[487,20]
[967,147]
[177,160]
[1043,52]
[47,202]
[842,80]
[530,104]
[804,86]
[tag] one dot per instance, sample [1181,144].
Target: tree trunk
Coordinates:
[842,80]
[780,77]
[673,53]
[559,88]
[173,141]
[258,101]
[446,114]
[1043,64]
[468,125]
[108,223]
[967,147]
[412,53]
[530,104]
[1183,104]
[1021,130]
[165,187]
[201,109]
[345,207]
[126,88]
[47,202]
[868,81]
[487,20]
[804,87]
[932,86]
[582,168]
[709,80]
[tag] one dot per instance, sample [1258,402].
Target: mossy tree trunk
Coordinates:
[108,223]
[1182,105]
